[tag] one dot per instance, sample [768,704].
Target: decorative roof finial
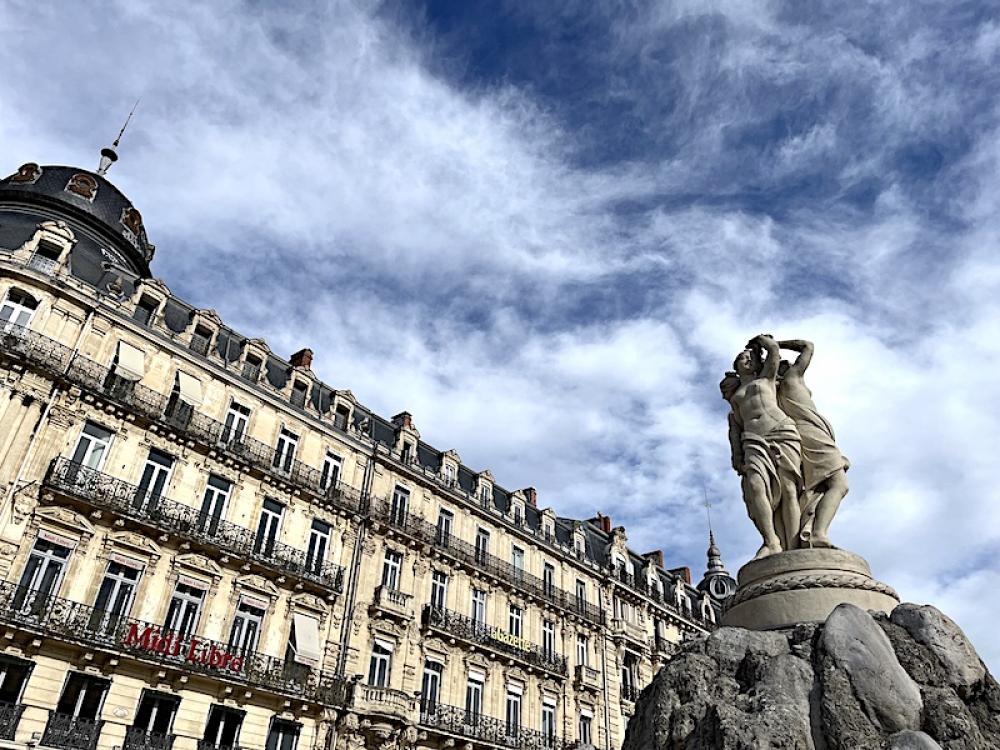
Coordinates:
[108,154]
[717,581]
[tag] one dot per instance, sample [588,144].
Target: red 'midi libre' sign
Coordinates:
[189,649]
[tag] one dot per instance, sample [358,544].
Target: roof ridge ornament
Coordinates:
[109,154]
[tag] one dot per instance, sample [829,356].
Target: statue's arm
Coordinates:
[770,370]
[736,441]
[805,350]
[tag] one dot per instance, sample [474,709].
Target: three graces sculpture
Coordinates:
[793,475]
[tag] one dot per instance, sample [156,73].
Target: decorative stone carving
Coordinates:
[82,184]
[199,563]
[27,174]
[259,584]
[66,519]
[137,542]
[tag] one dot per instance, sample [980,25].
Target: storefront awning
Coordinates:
[307,650]
[188,388]
[130,362]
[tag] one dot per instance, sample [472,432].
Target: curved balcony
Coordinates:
[105,492]
[73,622]
[419,529]
[466,629]
[479,728]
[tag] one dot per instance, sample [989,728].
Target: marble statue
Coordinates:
[824,468]
[766,447]
[793,475]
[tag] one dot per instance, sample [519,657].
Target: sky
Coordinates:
[546,229]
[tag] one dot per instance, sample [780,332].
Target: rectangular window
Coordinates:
[444,525]
[548,724]
[548,637]
[517,560]
[448,474]
[319,543]
[245,633]
[406,455]
[514,620]
[630,674]
[482,545]
[92,447]
[479,606]
[513,712]
[251,368]
[380,666]
[144,311]
[299,392]
[114,597]
[439,589]
[330,476]
[473,700]
[584,730]
[154,480]
[430,687]
[268,527]
[391,569]
[200,340]
[582,650]
[237,422]
[42,576]
[13,677]
[284,454]
[153,719]
[16,311]
[184,610]
[548,578]
[581,592]
[82,697]
[213,504]
[222,731]
[400,506]
[283,735]
[341,417]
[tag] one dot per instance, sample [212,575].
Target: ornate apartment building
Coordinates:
[204,546]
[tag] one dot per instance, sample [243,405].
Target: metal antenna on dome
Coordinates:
[108,154]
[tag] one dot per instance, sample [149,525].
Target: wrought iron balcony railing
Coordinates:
[487,729]
[10,715]
[587,677]
[653,592]
[20,343]
[71,732]
[467,629]
[73,622]
[137,738]
[419,529]
[629,692]
[104,491]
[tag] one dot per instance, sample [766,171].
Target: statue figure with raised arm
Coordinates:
[765,444]
[824,467]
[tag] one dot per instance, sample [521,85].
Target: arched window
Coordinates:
[17,309]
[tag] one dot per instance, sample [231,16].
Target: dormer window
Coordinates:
[251,368]
[484,494]
[548,529]
[448,474]
[341,417]
[200,340]
[46,257]
[145,310]
[299,392]
[406,455]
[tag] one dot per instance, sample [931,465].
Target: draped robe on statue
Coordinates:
[821,458]
[766,454]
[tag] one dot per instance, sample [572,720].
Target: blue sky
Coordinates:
[546,229]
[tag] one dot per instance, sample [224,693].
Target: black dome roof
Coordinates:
[82,195]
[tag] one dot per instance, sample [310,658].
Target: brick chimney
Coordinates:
[403,419]
[684,573]
[302,358]
[531,495]
[604,522]
[656,556]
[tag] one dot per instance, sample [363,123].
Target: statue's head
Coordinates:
[729,385]
[746,364]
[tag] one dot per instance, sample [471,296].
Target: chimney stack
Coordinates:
[403,419]
[684,573]
[531,495]
[656,556]
[302,358]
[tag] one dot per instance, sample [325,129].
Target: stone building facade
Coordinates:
[204,546]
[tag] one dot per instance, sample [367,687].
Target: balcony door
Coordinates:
[473,700]
[400,506]
[41,577]
[222,731]
[244,636]
[92,447]
[283,735]
[16,311]
[184,610]
[319,543]
[114,598]
[74,723]
[430,688]
[153,720]
[213,505]
[154,480]
[268,527]
[237,419]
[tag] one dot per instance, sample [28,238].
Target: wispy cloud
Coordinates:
[547,234]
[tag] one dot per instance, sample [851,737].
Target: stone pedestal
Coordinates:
[803,585]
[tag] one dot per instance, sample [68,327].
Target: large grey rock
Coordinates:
[889,696]
[932,628]
[909,740]
[832,686]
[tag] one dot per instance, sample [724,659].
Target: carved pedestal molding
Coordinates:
[804,585]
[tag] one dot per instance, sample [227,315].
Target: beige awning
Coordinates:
[188,388]
[307,650]
[130,363]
